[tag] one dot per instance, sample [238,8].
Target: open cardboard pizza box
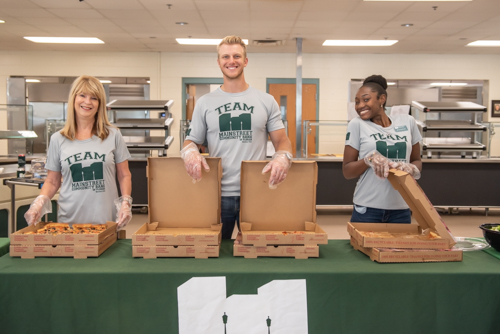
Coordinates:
[282,216]
[405,255]
[183,217]
[406,235]
[28,246]
[296,251]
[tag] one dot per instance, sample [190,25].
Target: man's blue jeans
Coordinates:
[362,214]
[230,213]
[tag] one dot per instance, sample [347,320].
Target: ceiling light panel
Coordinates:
[346,42]
[485,43]
[65,40]
[202,41]
[445,84]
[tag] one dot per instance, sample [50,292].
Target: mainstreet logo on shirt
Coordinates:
[396,152]
[235,127]
[89,177]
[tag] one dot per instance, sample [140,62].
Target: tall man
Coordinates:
[236,120]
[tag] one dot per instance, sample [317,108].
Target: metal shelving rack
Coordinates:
[458,128]
[144,143]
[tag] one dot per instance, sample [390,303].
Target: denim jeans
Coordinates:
[373,215]
[230,213]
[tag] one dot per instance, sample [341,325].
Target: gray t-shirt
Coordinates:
[89,176]
[394,142]
[236,126]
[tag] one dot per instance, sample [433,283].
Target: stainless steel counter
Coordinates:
[424,160]
[10,170]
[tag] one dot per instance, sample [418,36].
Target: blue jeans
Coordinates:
[373,215]
[230,213]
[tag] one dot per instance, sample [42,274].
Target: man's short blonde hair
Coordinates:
[233,40]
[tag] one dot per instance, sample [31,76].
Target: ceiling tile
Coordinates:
[176,5]
[329,6]
[27,12]
[40,22]
[275,6]
[223,5]
[127,14]
[115,4]
[48,4]
[66,31]
[19,4]
[224,15]
[76,13]
[166,16]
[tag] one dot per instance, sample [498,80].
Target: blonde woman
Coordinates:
[90,154]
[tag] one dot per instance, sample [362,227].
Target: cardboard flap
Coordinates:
[285,208]
[152,226]
[424,212]
[175,201]
[310,226]
[245,227]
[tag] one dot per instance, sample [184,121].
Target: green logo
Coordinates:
[90,173]
[241,122]
[396,151]
[347,136]
[235,127]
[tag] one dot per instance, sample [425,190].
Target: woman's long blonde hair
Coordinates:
[87,84]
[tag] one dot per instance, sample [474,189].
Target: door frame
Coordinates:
[294,81]
[194,81]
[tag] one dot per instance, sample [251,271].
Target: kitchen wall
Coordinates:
[333,70]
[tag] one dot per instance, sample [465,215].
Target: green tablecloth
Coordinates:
[4,246]
[346,292]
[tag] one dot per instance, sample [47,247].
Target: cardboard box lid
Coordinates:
[424,212]
[286,208]
[175,201]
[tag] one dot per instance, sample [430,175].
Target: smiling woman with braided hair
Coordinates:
[374,143]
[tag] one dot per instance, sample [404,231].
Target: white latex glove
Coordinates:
[279,166]
[379,163]
[406,167]
[193,161]
[40,206]
[124,211]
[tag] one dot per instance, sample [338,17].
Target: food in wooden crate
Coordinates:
[428,235]
[63,228]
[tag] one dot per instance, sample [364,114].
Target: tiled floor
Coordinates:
[462,222]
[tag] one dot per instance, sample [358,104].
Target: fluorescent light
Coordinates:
[449,84]
[2,21]
[202,41]
[66,40]
[149,81]
[346,42]
[31,80]
[105,81]
[484,43]
[391,83]
[28,134]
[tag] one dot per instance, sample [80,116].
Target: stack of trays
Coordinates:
[183,217]
[78,246]
[279,222]
[429,241]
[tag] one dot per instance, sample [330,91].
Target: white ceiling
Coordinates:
[149,25]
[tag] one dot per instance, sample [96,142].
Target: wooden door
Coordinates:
[191,94]
[286,94]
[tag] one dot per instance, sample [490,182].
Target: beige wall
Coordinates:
[333,70]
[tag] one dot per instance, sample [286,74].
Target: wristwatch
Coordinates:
[288,155]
